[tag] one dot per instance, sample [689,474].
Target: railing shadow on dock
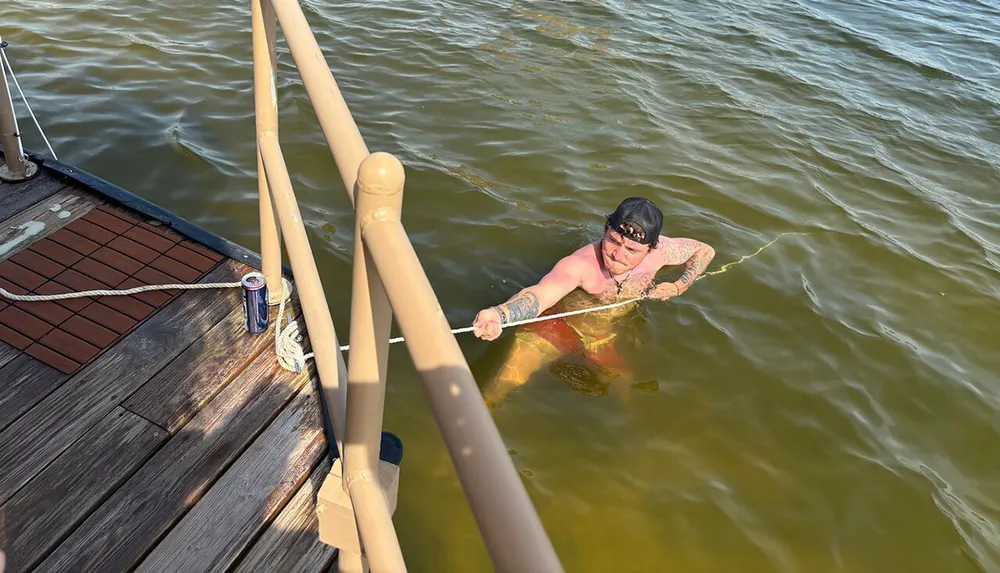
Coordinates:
[388,279]
[205,391]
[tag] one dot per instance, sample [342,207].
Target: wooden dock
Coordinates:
[147,432]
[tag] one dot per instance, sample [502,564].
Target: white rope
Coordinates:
[530,320]
[721,270]
[131,291]
[287,339]
[3,54]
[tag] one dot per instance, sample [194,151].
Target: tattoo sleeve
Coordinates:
[522,306]
[694,267]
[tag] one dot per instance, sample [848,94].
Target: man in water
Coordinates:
[621,266]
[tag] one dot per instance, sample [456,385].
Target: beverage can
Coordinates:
[255,302]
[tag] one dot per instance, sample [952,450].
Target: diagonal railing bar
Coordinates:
[356,502]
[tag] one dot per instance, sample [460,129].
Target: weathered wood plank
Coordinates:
[231,514]
[129,524]
[291,543]
[14,198]
[26,381]
[7,354]
[40,435]
[43,219]
[176,394]
[53,503]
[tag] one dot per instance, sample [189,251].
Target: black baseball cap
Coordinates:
[638,219]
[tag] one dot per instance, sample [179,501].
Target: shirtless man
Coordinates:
[622,265]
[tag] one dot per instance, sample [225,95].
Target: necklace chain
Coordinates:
[622,283]
[612,275]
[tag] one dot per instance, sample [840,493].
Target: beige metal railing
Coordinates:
[15,167]
[388,278]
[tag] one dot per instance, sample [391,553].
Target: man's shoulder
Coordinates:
[580,260]
[586,255]
[588,250]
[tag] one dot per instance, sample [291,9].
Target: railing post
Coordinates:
[315,308]
[335,119]
[16,166]
[509,524]
[379,193]
[264,26]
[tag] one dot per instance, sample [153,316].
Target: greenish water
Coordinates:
[831,405]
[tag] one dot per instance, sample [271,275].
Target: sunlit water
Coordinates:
[829,405]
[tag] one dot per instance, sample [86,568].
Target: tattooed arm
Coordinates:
[694,255]
[532,301]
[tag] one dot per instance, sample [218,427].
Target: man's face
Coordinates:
[620,254]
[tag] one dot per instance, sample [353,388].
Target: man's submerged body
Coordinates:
[621,266]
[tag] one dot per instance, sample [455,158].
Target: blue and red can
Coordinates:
[255,302]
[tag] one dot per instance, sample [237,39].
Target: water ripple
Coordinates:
[789,414]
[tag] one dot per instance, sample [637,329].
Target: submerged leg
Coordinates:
[529,353]
[610,362]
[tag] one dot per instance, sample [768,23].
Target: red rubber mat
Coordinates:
[105,249]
